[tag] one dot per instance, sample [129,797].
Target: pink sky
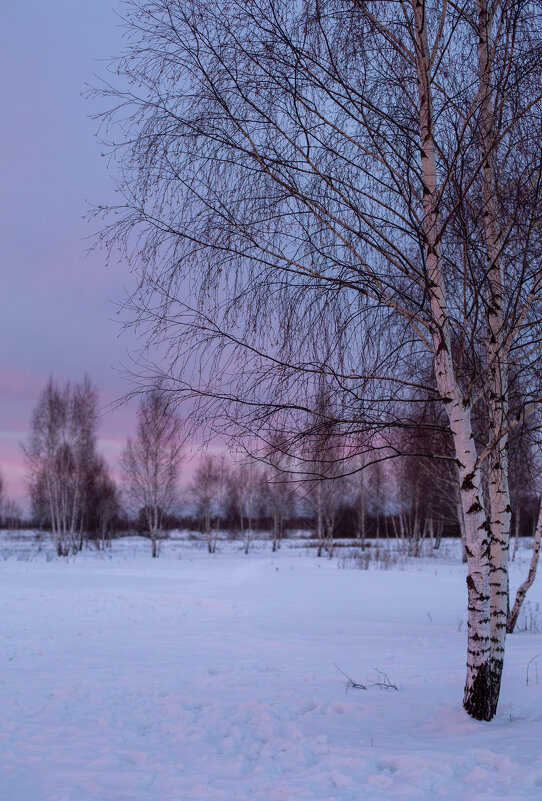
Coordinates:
[58,305]
[60,302]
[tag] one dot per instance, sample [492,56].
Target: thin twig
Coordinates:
[528,666]
[350,684]
[383,681]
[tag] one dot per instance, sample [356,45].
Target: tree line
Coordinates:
[325,488]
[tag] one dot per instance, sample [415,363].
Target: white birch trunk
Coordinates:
[497,364]
[476,699]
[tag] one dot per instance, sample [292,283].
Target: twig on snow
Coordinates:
[382,681]
[350,684]
[528,666]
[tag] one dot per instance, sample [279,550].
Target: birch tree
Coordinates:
[151,463]
[209,488]
[279,496]
[247,483]
[104,503]
[340,188]
[326,485]
[61,456]
[278,487]
[12,515]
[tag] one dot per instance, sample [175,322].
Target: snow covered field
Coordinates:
[212,678]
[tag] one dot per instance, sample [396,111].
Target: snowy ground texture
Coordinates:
[124,678]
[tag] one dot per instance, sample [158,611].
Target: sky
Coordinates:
[59,303]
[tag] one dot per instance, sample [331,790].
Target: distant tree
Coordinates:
[10,511]
[426,480]
[279,489]
[364,491]
[61,457]
[325,499]
[246,488]
[209,489]
[358,493]
[279,495]
[151,463]
[12,514]
[322,455]
[104,504]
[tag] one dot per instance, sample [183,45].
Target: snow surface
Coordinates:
[212,678]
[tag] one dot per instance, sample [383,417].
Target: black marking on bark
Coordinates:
[496,674]
[467,482]
[478,697]
[475,507]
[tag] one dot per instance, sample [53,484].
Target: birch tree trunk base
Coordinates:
[482,693]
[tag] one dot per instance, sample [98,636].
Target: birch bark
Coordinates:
[500,510]
[477,696]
